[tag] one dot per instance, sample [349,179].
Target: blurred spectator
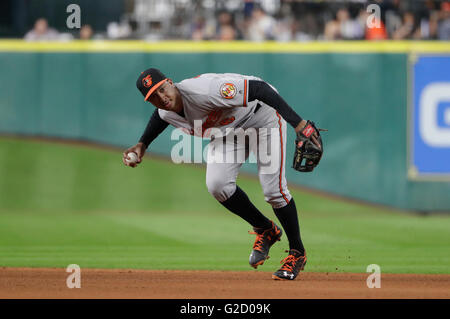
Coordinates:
[42,32]
[306,28]
[225,30]
[444,22]
[332,30]
[115,30]
[227,33]
[343,27]
[86,32]
[406,31]
[202,28]
[284,30]
[223,18]
[261,26]
[349,28]
[198,29]
[393,21]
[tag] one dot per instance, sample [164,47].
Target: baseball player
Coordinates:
[226,102]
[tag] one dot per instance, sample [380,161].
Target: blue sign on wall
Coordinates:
[430,136]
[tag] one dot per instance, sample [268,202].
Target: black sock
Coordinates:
[287,216]
[240,204]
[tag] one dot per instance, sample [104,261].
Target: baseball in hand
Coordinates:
[131,158]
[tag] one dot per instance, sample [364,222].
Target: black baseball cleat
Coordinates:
[292,265]
[265,238]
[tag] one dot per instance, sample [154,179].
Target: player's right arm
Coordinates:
[155,126]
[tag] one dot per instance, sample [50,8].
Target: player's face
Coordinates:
[167,97]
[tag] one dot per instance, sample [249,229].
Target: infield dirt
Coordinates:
[30,283]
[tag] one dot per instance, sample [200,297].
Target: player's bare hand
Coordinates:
[139,149]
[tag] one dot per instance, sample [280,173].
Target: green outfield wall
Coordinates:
[359,92]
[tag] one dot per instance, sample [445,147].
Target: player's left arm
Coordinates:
[262,91]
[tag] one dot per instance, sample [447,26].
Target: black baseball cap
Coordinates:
[149,81]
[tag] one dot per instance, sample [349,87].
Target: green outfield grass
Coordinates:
[62,204]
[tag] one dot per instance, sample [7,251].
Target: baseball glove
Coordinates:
[308,148]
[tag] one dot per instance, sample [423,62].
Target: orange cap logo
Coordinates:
[147,81]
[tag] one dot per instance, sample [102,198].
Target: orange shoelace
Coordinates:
[258,241]
[289,262]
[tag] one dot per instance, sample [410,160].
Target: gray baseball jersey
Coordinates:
[217,100]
